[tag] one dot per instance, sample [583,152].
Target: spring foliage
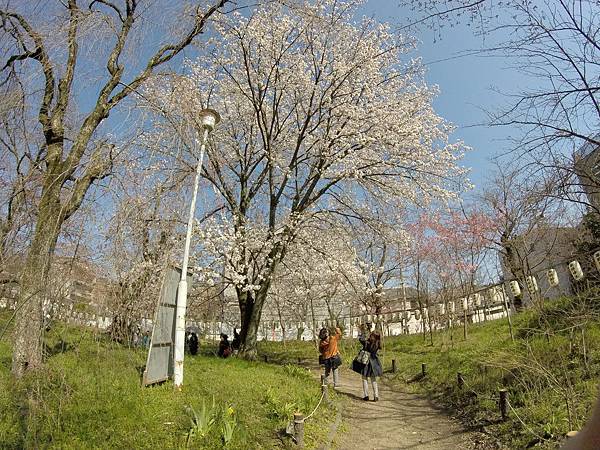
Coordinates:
[323,113]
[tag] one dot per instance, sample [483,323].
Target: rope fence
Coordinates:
[316,407]
[527,427]
[501,399]
[295,428]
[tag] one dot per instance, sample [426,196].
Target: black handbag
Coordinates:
[357,366]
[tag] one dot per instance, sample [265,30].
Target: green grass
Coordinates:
[88,395]
[551,388]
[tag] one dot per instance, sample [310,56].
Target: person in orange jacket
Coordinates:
[330,355]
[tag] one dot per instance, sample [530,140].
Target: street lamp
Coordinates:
[208,119]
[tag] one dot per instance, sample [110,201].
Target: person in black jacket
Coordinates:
[373,368]
[224,346]
[193,344]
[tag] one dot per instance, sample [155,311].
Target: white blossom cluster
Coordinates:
[241,255]
[319,273]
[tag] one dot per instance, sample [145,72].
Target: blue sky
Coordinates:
[466,84]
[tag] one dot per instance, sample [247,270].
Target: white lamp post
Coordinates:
[208,119]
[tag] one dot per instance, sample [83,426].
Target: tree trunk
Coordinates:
[423,324]
[314,324]
[515,267]
[122,325]
[245,302]
[29,322]
[251,312]
[430,322]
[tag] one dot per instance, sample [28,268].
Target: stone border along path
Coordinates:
[399,420]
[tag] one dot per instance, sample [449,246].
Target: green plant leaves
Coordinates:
[210,420]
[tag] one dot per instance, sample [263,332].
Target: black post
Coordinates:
[424,369]
[393,366]
[503,403]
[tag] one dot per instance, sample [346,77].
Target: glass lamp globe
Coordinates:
[209,118]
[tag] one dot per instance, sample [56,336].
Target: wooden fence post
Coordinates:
[423,369]
[503,403]
[299,429]
[393,366]
[460,380]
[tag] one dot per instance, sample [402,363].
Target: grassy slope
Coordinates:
[549,387]
[89,396]
[544,370]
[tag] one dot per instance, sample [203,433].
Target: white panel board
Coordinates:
[159,365]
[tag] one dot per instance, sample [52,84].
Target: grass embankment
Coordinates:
[551,370]
[88,396]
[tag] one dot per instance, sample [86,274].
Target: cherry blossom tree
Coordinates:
[323,112]
[423,252]
[463,235]
[381,243]
[448,250]
[526,215]
[320,277]
[140,238]
[55,51]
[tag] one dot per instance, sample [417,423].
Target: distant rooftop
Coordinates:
[588,147]
[396,293]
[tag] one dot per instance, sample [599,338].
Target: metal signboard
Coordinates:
[159,365]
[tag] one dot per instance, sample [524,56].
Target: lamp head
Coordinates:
[209,118]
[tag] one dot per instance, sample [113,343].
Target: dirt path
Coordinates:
[398,420]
